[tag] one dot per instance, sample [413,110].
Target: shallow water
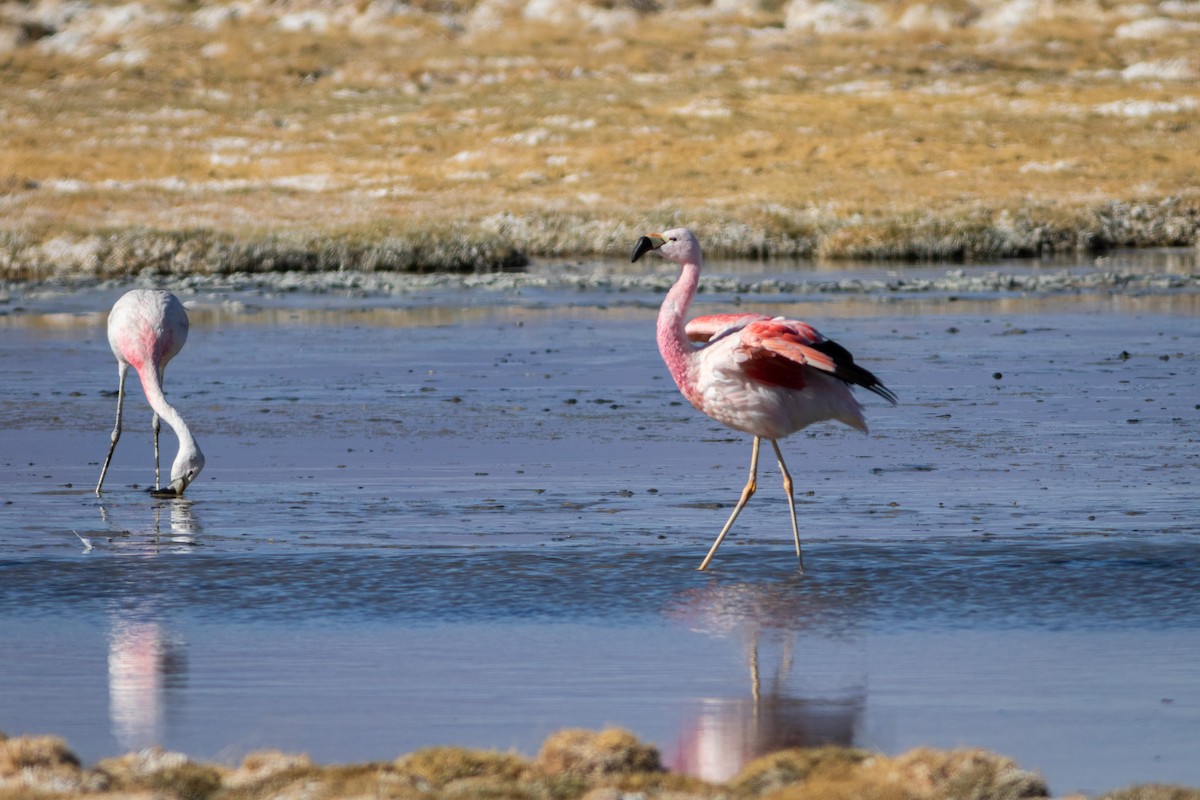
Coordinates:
[472,516]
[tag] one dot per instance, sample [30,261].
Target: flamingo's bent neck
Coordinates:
[158,401]
[673,342]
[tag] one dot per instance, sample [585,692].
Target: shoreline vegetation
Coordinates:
[184,137]
[598,765]
[50,254]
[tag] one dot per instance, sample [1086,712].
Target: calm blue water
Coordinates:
[478,524]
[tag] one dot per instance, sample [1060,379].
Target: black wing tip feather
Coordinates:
[858,376]
[884,392]
[847,370]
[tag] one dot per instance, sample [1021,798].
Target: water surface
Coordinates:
[472,517]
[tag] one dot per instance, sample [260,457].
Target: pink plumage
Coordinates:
[146,329]
[766,376]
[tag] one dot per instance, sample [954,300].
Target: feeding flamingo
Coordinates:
[765,376]
[146,329]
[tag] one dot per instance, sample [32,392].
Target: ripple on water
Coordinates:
[1084,582]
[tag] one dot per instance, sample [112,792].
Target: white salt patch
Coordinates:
[310,20]
[860,87]
[1046,166]
[67,43]
[570,123]
[66,251]
[1177,69]
[833,16]
[172,113]
[220,95]
[735,7]
[66,186]
[1156,28]
[303,183]
[118,19]
[704,108]
[1011,15]
[923,16]
[1190,8]
[229,143]
[556,12]
[1145,108]
[469,175]
[212,17]
[489,15]
[171,184]
[756,84]
[645,78]
[530,138]
[125,58]
[943,88]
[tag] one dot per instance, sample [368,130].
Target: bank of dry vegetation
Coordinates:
[597,765]
[184,137]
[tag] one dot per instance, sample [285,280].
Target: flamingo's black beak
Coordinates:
[646,244]
[176,487]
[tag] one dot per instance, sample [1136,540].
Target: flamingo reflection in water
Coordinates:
[147,660]
[782,710]
[181,535]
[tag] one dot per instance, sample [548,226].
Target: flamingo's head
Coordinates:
[187,466]
[678,245]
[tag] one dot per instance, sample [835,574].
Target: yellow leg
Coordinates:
[787,487]
[747,493]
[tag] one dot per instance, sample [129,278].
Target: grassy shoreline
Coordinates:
[50,253]
[572,763]
[473,135]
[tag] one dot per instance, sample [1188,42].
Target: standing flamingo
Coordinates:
[768,377]
[146,329]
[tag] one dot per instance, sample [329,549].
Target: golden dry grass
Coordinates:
[572,764]
[537,138]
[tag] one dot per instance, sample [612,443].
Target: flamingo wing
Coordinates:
[778,352]
[715,326]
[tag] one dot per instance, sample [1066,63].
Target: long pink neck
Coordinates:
[673,343]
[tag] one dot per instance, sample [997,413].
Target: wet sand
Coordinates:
[472,516]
